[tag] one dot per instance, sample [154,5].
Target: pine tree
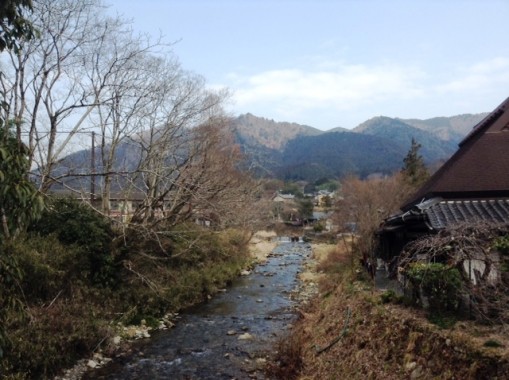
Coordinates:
[414,170]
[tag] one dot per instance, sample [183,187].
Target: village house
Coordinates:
[472,186]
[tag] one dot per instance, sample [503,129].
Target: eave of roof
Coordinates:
[480,167]
[446,212]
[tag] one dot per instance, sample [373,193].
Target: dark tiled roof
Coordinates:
[446,213]
[480,167]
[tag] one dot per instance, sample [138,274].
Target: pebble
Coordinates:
[246,336]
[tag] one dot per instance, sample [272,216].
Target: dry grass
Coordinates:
[371,340]
[261,245]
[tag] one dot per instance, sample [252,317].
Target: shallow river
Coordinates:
[228,337]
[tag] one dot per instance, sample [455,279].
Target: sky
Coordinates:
[338,63]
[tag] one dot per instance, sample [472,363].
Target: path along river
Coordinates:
[228,337]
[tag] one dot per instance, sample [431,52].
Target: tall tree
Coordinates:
[19,202]
[49,93]
[414,170]
[365,204]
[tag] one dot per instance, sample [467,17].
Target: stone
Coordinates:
[131,331]
[92,364]
[410,366]
[116,340]
[231,332]
[417,373]
[246,336]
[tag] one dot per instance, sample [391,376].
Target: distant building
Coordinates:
[279,197]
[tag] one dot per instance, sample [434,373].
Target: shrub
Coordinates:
[390,296]
[493,343]
[56,338]
[318,227]
[502,244]
[48,267]
[75,223]
[438,282]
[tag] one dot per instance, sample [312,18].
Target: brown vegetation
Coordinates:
[349,333]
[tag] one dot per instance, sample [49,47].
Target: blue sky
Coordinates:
[329,63]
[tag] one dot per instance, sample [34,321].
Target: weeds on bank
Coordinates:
[288,362]
[72,292]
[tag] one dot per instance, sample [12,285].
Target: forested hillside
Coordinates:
[292,151]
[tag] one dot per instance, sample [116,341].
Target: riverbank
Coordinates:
[261,244]
[259,247]
[349,332]
[230,336]
[69,317]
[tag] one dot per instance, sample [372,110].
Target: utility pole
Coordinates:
[92,170]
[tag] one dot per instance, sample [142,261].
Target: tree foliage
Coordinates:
[20,202]
[14,26]
[414,170]
[305,207]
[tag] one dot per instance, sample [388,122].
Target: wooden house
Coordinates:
[472,186]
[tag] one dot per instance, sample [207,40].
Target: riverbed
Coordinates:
[229,337]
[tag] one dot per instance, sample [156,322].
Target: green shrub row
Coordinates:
[79,278]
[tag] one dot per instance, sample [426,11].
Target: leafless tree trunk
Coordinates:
[49,96]
[366,203]
[89,72]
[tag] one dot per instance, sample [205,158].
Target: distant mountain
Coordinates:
[433,148]
[253,130]
[336,154]
[448,128]
[293,151]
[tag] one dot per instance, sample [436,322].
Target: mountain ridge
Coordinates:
[293,151]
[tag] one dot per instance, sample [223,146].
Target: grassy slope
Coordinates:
[383,341]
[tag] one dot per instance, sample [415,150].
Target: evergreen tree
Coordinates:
[414,170]
[19,201]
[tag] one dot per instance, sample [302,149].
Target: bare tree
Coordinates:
[48,94]
[90,73]
[121,79]
[366,203]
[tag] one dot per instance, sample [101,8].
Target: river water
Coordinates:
[228,337]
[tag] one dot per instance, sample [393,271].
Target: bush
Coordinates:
[56,338]
[502,244]
[76,224]
[438,282]
[318,227]
[390,296]
[48,267]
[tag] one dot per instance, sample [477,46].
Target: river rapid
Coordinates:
[229,337]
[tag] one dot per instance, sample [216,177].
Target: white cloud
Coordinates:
[344,87]
[332,94]
[479,77]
